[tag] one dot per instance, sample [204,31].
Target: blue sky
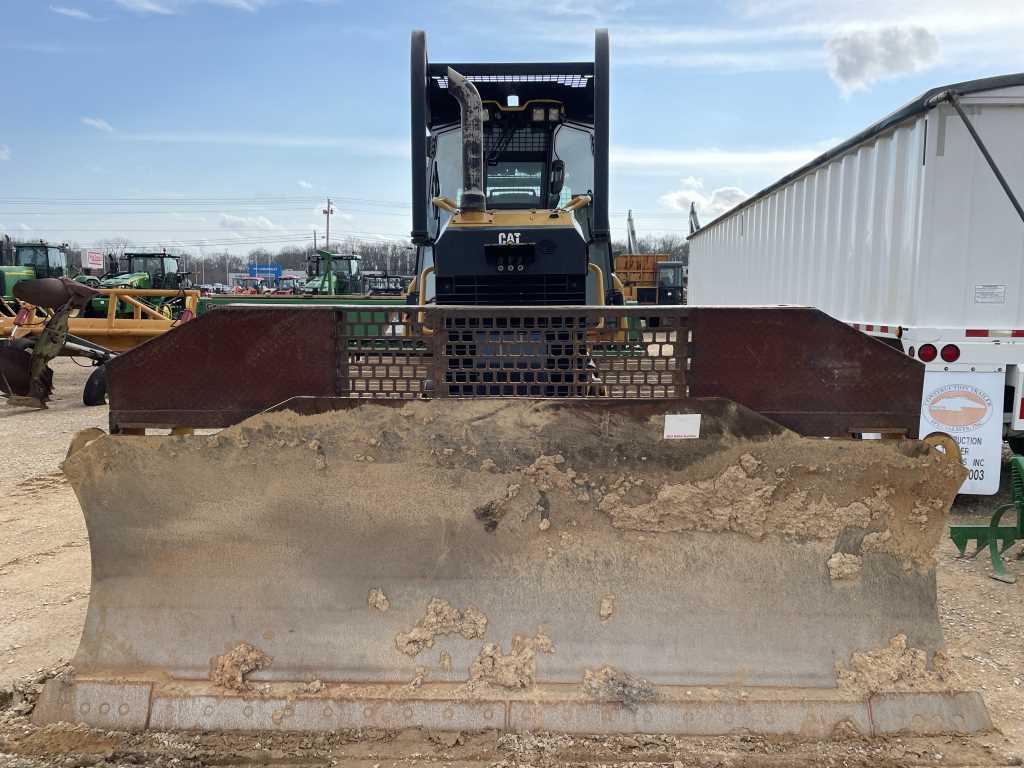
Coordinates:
[226,122]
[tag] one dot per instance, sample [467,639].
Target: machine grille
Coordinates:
[508,290]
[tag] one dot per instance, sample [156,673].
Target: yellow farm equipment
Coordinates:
[58,325]
[115,331]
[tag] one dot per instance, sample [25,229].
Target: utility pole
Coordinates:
[327,212]
[314,240]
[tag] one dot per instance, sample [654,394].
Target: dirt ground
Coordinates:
[44,582]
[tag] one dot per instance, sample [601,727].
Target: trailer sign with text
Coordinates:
[969,408]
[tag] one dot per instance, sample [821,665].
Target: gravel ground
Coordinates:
[44,582]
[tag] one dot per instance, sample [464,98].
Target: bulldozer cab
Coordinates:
[541,143]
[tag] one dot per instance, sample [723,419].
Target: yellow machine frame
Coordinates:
[118,334]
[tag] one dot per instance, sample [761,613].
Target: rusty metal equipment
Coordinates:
[794,365]
[25,375]
[115,331]
[449,600]
[99,339]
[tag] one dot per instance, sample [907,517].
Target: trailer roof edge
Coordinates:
[917,106]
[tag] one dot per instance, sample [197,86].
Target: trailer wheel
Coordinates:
[95,392]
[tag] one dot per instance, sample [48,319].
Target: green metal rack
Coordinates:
[998,538]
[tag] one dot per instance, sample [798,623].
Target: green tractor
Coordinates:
[333,274]
[139,271]
[30,262]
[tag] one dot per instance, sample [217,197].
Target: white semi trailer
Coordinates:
[907,232]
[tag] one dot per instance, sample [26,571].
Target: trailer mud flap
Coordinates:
[968,406]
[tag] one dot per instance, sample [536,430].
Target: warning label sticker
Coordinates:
[990,294]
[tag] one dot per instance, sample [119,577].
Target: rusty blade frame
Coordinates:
[795,365]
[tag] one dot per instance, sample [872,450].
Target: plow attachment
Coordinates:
[507,563]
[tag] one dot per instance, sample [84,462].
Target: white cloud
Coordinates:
[74,13]
[98,123]
[305,184]
[709,204]
[5,152]
[24,227]
[229,221]
[145,6]
[857,60]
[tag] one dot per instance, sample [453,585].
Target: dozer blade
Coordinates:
[513,564]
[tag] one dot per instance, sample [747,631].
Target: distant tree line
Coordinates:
[394,258]
[672,244]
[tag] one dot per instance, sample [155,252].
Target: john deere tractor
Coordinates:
[138,270]
[334,274]
[30,261]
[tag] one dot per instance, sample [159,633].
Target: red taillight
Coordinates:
[23,316]
[950,353]
[927,352]
[188,314]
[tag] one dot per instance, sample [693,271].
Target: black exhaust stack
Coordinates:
[418,102]
[601,229]
[472,108]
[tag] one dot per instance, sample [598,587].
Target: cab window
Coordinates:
[31,256]
[56,258]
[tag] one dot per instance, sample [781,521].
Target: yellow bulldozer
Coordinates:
[514,502]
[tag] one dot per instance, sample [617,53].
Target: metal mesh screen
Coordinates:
[382,354]
[577,352]
[527,139]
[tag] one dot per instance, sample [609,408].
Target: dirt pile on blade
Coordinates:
[230,670]
[895,667]
[441,619]
[508,544]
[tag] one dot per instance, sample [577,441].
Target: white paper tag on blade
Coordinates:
[682,426]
